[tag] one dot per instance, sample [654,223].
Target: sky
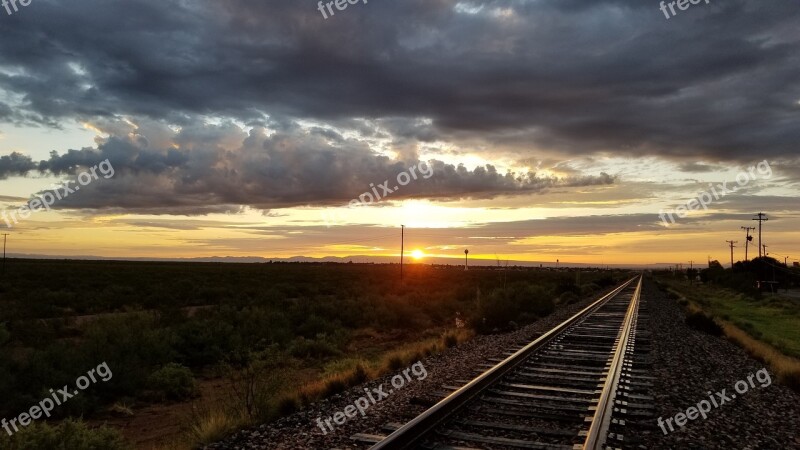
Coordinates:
[529,130]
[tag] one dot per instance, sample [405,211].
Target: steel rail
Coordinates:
[410,434]
[601,422]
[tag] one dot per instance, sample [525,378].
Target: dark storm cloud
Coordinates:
[716,82]
[698,167]
[15,164]
[209,168]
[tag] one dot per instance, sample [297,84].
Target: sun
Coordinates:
[417,254]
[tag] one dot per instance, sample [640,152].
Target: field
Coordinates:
[766,325]
[198,349]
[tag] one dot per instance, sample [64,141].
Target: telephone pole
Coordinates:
[747,240]
[402,243]
[760,217]
[731,243]
[5,236]
[765,250]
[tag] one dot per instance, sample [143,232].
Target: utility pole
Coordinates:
[747,240]
[760,217]
[466,252]
[402,243]
[5,236]
[731,243]
[765,250]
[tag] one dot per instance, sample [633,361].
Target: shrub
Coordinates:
[288,405]
[589,288]
[203,341]
[209,426]
[357,376]
[173,382]
[395,362]
[449,340]
[255,388]
[520,301]
[313,348]
[68,435]
[333,386]
[702,322]
[568,298]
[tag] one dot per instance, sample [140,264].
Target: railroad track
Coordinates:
[579,386]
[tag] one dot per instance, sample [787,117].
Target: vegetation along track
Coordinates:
[579,386]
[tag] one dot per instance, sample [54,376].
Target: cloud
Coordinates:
[697,167]
[570,77]
[15,164]
[221,168]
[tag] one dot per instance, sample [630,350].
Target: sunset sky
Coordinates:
[554,129]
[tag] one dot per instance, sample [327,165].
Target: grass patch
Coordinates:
[343,374]
[771,319]
[209,425]
[786,367]
[767,333]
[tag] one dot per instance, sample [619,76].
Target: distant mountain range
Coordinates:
[361,259]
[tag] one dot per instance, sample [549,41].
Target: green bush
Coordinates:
[203,341]
[520,302]
[589,288]
[313,348]
[450,340]
[702,322]
[68,435]
[568,298]
[172,382]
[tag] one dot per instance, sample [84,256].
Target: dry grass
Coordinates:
[122,409]
[359,371]
[211,425]
[786,367]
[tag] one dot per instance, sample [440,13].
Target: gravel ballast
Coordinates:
[687,364]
